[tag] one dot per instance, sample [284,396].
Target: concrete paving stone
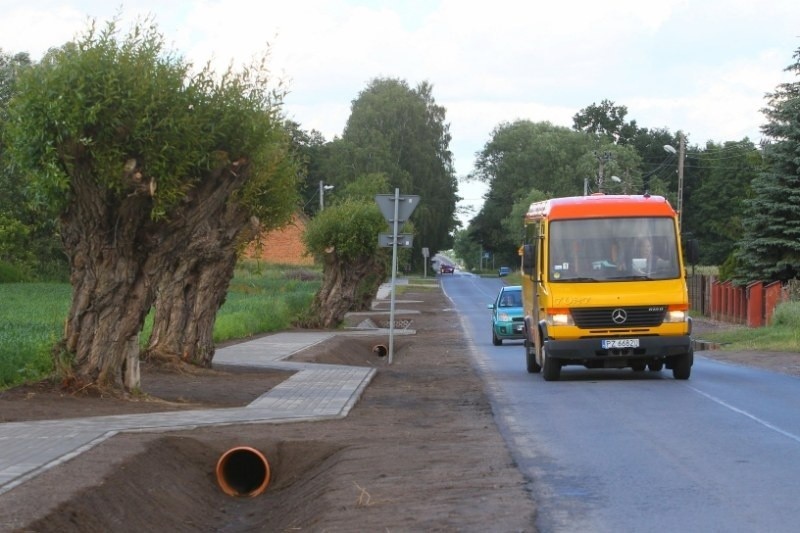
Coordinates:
[313,392]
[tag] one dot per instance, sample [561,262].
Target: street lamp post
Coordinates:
[681,153]
[322,189]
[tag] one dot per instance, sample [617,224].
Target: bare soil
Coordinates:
[419,451]
[164,389]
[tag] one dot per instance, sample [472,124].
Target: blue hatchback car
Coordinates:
[507,315]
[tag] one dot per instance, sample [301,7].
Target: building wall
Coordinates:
[283,246]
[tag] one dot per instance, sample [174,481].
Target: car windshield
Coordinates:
[510,299]
[613,249]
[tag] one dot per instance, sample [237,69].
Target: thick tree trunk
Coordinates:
[190,294]
[342,289]
[117,255]
[185,312]
[110,294]
[369,286]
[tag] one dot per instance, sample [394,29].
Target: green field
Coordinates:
[31,321]
[260,299]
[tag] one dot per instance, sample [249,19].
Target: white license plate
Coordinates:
[619,343]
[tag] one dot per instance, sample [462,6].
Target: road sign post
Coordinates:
[395,209]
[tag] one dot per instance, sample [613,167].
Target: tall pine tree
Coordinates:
[770,245]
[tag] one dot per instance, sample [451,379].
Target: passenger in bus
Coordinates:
[651,257]
[641,261]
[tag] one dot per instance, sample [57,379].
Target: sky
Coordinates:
[699,66]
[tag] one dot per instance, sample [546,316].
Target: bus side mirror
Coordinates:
[528,259]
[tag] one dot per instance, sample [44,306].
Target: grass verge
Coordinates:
[261,298]
[782,335]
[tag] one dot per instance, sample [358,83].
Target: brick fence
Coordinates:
[752,305]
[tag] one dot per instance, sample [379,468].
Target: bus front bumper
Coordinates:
[594,351]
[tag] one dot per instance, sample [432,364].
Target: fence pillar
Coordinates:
[726,301]
[705,306]
[755,304]
[772,297]
[742,293]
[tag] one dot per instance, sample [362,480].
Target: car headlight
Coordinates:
[503,317]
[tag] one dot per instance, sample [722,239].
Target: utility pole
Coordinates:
[681,153]
[602,159]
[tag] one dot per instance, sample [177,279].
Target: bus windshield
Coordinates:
[613,249]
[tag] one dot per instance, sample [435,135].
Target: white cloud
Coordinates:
[26,28]
[700,66]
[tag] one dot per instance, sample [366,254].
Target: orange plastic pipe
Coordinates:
[243,471]
[380,350]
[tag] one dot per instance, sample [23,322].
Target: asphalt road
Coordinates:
[614,450]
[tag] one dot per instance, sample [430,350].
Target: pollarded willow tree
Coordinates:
[192,290]
[345,238]
[142,159]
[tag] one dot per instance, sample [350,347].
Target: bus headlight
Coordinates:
[675,316]
[559,317]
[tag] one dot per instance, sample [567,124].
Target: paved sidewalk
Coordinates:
[314,392]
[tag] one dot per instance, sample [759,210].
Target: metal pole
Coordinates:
[681,153]
[394,273]
[321,196]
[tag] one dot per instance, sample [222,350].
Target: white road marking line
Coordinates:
[748,415]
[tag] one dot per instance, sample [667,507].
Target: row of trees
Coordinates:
[153,176]
[400,133]
[27,233]
[740,201]
[770,245]
[395,138]
[150,177]
[156,176]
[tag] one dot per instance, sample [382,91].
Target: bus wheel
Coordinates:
[530,358]
[551,368]
[682,366]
